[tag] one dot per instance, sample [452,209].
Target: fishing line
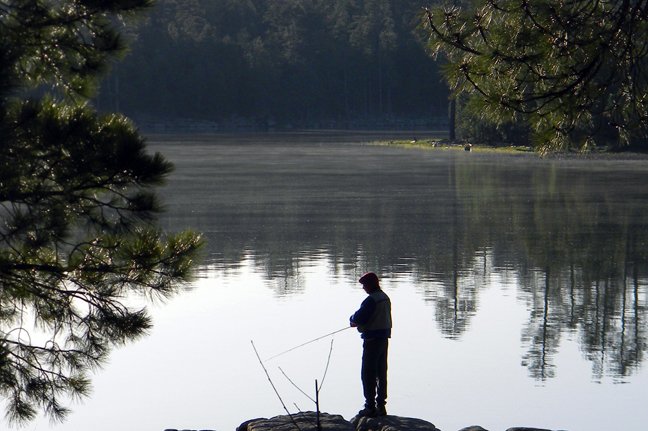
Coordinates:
[306,343]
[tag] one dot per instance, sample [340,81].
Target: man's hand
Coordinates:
[353,324]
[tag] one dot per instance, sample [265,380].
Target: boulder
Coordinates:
[307,421]
[391,423]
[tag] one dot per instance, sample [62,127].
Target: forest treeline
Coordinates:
[283,63]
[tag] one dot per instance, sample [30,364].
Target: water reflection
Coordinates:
[570,235]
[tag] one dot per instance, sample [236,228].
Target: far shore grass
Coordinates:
[444,144]
[439,144]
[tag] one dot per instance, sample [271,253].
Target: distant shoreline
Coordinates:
[433,140]
[444,144]
[321,135]
[513,150]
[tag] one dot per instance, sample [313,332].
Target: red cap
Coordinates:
[370,279]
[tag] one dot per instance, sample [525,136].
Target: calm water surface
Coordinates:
[519,288]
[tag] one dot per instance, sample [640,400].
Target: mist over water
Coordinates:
[519,287]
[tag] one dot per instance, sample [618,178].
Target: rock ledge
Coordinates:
[307,421]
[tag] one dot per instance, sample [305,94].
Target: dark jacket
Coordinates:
[373,318]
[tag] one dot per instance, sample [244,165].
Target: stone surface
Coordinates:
[306,421]
[391,423]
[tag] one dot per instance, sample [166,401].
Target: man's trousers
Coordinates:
[374,371]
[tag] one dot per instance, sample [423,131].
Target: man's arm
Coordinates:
[364,313]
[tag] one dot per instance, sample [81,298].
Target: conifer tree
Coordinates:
[574,71]
[78,238]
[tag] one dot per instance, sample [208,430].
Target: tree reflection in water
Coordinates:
[574,233]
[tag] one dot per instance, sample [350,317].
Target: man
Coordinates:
[373,321]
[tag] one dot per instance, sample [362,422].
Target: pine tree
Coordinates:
[78,238]
[574,71]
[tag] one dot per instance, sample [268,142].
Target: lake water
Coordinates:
[519,288]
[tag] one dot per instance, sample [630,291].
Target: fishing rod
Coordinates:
[307,342]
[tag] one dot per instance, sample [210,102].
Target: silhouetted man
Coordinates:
[373,321]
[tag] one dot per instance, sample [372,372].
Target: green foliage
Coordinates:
[77,209]
[287,62]
[575,72]
[63,43]
[475,125]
